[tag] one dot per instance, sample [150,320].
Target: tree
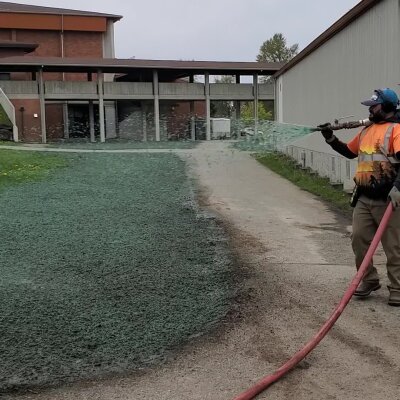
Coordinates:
[224,79]
[247,112]
[276,50]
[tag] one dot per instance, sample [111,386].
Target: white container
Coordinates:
[220,128]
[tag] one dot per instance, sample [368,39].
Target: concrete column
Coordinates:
[255,86]
[111,120]
[237,110]
[192,122]
[100,82]
[66,120]
[91,121]
[144,121]
[208,111]
[42,107]
[156,92]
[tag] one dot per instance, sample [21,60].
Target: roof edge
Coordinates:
[18,8]
[354,13]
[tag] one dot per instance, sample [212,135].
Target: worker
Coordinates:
[377,182]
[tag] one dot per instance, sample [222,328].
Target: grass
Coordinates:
[321,187]
[18,167]
[106,266]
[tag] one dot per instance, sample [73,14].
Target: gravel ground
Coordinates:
[294,262]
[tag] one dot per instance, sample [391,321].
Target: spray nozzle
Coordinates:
[345,125]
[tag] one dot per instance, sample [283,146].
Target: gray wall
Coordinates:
[331,81]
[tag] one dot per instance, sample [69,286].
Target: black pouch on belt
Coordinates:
[355,196]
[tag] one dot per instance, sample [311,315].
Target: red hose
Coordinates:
[270,379]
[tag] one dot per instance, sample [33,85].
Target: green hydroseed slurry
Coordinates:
[123,144]
[105,266]
[271,136]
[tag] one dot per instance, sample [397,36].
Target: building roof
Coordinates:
[7,7]
[18,45]
[171,69]
[358,10]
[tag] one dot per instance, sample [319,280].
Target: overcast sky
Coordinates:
[217,30]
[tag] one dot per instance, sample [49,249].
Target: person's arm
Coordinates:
[394,194]
[337,145]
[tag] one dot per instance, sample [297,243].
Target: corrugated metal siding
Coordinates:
[332,81]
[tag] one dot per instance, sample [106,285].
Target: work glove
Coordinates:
[394,196]
[326,130]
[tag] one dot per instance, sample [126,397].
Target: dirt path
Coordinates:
[295,263]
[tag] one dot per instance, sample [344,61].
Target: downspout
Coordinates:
[65,103]
[62,42]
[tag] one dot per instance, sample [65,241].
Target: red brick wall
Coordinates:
[91,46]
[31,131]
[49,42]
[83,44]
[54,121]
[5,34]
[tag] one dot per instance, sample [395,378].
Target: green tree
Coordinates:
[224,79]
[276,50]
[247,113]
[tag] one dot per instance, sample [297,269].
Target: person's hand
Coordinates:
[394,196]
[326,130]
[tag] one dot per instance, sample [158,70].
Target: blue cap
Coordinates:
[381,96]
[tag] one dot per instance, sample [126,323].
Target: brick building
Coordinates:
[52,32]
[59,79]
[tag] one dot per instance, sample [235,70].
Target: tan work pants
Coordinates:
[366,217]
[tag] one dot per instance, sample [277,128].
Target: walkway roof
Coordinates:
[169,69]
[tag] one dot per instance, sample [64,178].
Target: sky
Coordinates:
[208,30]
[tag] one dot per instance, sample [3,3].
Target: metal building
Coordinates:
[327,80]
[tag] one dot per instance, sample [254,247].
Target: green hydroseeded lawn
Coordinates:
[106,265]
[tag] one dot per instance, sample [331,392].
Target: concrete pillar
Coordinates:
[66,120]
[208,103]
[144,121]
[91,121]
[42,107]
[192,122]
[100,82]
[111,120]
[255,87]
[237,111]
[156,105]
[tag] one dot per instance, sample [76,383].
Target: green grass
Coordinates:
[19,166]
[106,266]
[316,185]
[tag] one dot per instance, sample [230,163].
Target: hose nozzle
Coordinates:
[345,125]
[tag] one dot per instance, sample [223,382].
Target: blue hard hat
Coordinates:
[381,96]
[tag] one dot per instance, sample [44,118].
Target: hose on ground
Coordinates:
[264,383]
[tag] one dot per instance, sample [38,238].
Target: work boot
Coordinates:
[394,298]
[366,288]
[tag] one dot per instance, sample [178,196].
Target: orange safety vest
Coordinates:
[376,146]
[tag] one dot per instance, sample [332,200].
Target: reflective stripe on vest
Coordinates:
[377,157]
[382,156]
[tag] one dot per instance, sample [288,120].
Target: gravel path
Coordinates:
[294,263]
